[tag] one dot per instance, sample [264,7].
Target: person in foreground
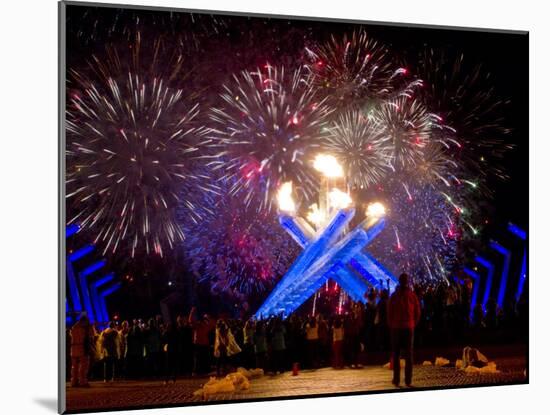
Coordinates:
[81,335]
[403,316]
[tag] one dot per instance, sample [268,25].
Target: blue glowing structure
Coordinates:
[325,257]
[522,276]
[105,293]
[73,288]
[505,270]
[85,292]
[475,290]
[101,311]
[520,233]
[489,282]
[72,229]
[81,253]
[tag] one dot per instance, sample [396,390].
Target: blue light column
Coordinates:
[81,253]
[475,289]
[372,270]
[352,284]
[516,230]
[521,234]
[70,230]
[83,278]
[505,270]
[490,272]
[297,228]
[100,312]
[522,276]
[73,288]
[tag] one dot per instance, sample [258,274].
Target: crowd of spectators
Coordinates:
[198,344]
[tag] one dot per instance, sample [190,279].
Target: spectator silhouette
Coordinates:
[81,340]
[403,316]
[110,351]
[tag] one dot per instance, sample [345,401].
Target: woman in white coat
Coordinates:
[225,346]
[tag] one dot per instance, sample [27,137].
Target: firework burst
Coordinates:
[132,141]
[422,233]
[351,69]
[268,132]
[462,95]
[407,123]
[241,249]
[404,144]
[362,145]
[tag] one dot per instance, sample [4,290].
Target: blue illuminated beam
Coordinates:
[520,233]
[364,264]
[516,230]
[301,232]
[312,251]
[71,229]
[297,228]
[331,262]
[505,270]
[522,276]
[490,272]
[73,288]
[93,268]
[100,312]
[371,269]
[475,289]
[352,284]
[84,286]
[81,253]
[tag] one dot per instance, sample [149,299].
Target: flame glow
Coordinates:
[328,166]
[376,210]
[284,198]
[315,215]
[339,199]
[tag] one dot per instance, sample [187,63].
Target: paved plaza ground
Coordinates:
[309,382]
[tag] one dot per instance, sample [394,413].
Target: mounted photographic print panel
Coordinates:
[261,207]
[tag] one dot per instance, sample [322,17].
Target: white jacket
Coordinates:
[232,347]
